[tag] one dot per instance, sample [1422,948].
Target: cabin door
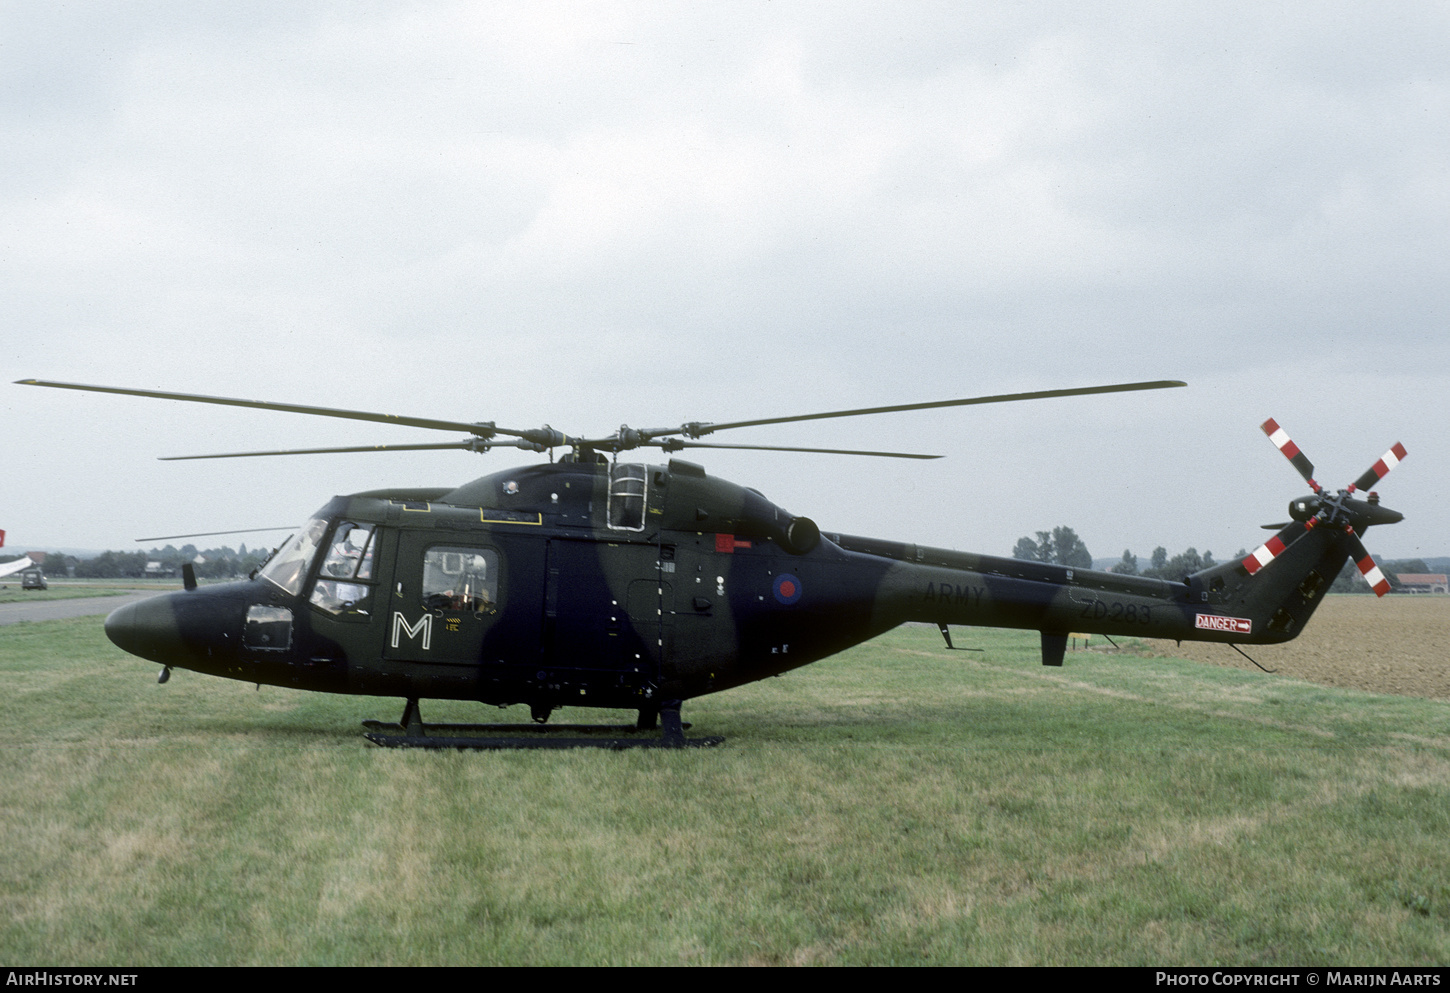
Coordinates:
[449,597]
[605,605]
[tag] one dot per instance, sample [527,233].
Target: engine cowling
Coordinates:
[801,535]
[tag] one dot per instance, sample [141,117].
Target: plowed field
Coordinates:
[1398,644]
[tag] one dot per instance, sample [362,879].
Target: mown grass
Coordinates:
[896,804]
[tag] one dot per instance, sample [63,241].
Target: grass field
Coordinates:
[896,804]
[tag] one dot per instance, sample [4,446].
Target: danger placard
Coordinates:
[1213,622]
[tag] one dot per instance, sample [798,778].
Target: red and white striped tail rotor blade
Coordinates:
[1380,469]
[1285,444]
[1273,548]
[1364,562]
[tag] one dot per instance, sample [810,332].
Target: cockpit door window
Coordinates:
[340,586]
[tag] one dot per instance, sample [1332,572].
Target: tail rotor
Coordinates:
[1340,511]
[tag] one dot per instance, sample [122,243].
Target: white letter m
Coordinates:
[425,624]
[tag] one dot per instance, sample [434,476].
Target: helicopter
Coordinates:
[595,582]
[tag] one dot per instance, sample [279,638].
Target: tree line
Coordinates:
[1060,545]
[1162,567]
[1063,546]
[217,563]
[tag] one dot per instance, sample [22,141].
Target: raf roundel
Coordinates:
[787,589]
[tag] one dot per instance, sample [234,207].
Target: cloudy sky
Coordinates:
[647,213]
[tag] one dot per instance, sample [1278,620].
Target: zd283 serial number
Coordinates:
[1129,613]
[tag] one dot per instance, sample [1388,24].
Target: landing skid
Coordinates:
[416,734]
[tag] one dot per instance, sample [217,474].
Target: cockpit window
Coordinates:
[288,568]
[349,558]
[460,578]
[351,554]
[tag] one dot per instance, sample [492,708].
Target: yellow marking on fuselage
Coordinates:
[537,522]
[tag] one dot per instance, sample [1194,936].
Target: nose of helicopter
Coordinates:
[145,628]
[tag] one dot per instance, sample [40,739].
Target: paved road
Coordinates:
[54,610]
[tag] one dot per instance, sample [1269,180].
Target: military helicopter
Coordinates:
[591,581]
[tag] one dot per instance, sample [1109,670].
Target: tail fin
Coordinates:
[1279,585]
[1276,601]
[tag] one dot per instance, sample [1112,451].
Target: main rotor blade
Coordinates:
[483,430]
[208,534]
[675,445]
[699,430]
[471,444]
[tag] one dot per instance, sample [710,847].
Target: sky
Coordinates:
[647,213]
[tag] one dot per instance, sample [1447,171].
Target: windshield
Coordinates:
[288,568]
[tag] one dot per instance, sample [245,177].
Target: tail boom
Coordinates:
[1225,603]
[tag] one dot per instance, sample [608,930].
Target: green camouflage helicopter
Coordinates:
[590,581]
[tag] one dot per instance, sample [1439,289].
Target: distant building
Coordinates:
[1423,582]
